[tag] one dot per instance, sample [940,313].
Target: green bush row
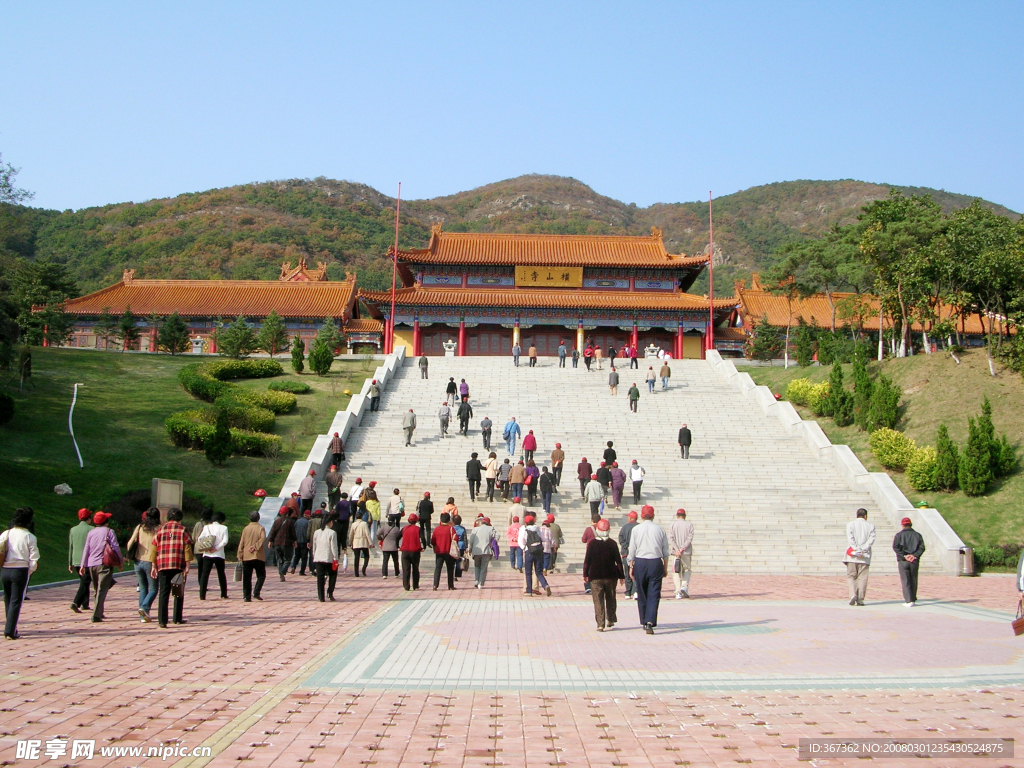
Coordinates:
[242,415]
[191,429]
[278,402]
[295,387]
[205,382]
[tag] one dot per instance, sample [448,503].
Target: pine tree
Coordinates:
[218,446]
[947,461]
[273,336]
[237,340]
[173,335]
[861,389]
[127,330]
[298,354]
[766,344]
[884,408]
[830,403]
[321,356]
[989,431]
[1005,457]
[106,327]
[804,344]
[975,471]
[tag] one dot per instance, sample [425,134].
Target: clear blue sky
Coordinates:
[645,102]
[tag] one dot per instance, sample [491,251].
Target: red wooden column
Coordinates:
[152,339]
[679,341]
[635,340]
[387,336]
[46,330]
[462,337]
[417,339]
[703,345]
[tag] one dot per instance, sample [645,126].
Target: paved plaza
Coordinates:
[735,675]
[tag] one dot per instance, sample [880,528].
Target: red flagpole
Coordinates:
[394,275]
[711,277]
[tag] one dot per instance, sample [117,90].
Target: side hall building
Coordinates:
[489,291]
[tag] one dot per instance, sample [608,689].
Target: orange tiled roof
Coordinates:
[364,325]
[226,298]
[494,248]
[731,334]
[568,299]
[755,305]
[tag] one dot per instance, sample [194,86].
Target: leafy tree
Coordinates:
[9,193]
[947,461]
[173,336]
[237,340]
[884,408]
[766,343]
[218,446]
[127,330]
[862,386]
[106,327]
[321,356]
[298,354]
[975,471]
[330,333]
[273,335]
[40,284]
[57,324]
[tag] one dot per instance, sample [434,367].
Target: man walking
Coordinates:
[374,393]
[557,540]
[532,352]
[473,476]
[860,536]
[424,511]
[664,373]
[444,415]
[450,390]
[613,381]
[334,479]
[409,424]
[101,575]
[636,476]
[441,540]
[680,539]
[634,397]
[557,460]
[625,532]
[583,472]
[170,554]
[648,561]
[76,543]
[302,542]
[307,491]
[529,446]
[282,539]
[602,568]
[684,440]
[633,362]
[593,494]
[411,545]
[510,434]
[908,545]
[562,352]
[516,351]
[546,484]
[485,430]
[423,367]
[465,413]
[531,542]
[337,450]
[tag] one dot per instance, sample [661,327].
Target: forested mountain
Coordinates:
[247,231]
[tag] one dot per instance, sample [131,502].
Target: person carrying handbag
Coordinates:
[446,550]
[101,556]
[138,552]
[19,556]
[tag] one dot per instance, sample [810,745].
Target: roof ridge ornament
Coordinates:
[128,276]
[656,233]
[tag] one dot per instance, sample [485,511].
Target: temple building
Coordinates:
[303,297]
[488,291]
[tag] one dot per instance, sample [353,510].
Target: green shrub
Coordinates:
[218,445]
[321,356]
[884,408]
[816,397]
[1004,457]
[892,449]
[278,402]
[242,369]
[842,414]
[191,429]
[862,386]
[244,415]
[975,471]
[947,461]
[921,470]
[205,381]
[988,557]
[298,354]
[6,408]
[295,387]
[798,390]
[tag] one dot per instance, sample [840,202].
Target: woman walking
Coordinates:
[480,543]
[491,474]
[215,536]
[532,476]
[142,540]
[389,536]
[360,542]
[95,561]
[252,554]
[411,545]
[325,561]
[441,540]
[602,568]
[21,561]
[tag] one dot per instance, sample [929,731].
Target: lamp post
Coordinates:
[390,330]
[711,277]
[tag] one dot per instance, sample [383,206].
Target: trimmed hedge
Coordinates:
[243,415]
[205,381]
[894,450]
[295,387]
[190,429]
[817,397]
[921,471]
[278,402]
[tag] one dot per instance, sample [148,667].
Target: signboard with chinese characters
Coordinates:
[549,277]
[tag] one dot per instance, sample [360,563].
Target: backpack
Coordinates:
[534,545]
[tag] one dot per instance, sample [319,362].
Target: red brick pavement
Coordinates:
[231,678]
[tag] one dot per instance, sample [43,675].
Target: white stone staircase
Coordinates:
[761,501]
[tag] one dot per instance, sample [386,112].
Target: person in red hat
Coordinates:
[680,539]
[307,491]
[908,545]
[411,546]
[557,462]
[618,483]
[625,532]
[529,445]
[374,393]
[282,538]
[593,493]
[482,544]
[531,542]
[583,472]
[76,543]
[515,554]
[337,448]
[334,479]
[602,568]
[648,564]
[101,573]
[556,540]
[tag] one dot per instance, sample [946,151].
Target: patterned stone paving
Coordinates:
[293,682]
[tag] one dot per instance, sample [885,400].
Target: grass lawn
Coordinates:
[119,423]
[937,390]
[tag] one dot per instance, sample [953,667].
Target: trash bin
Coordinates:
[967,562]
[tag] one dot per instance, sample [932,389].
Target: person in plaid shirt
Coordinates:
[170,554]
